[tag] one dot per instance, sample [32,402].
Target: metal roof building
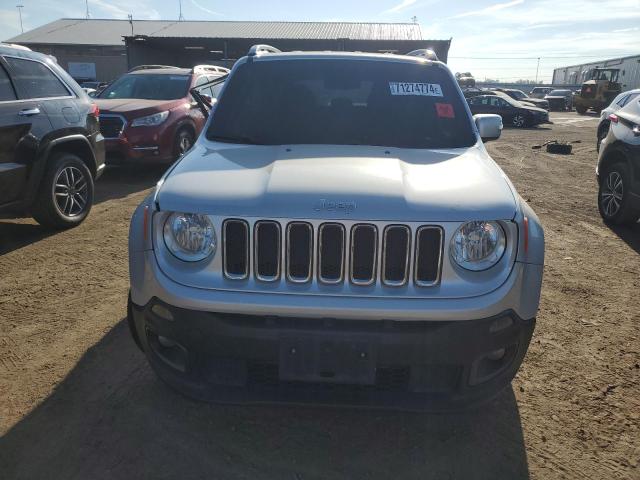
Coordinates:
[104,49]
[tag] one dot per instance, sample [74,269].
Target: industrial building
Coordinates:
[629,75]
[93,49]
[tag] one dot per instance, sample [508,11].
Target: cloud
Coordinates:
[121,9]
[401,6]
[490,9]
[204,9]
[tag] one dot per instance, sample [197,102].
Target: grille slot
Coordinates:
[331,238]
[428,256]
[111,126]
[395,254]
[267,250]
[299,252]
[235,234]
[364,249]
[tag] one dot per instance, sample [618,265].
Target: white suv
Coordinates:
[338,234]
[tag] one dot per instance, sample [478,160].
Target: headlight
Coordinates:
[190,236]
[478,246]
[150,120]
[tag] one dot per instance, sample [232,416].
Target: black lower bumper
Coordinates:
[423,365]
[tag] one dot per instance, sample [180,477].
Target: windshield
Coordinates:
[342,102]
[148,87]
[517,94]
[559,93]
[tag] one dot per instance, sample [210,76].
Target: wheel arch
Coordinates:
[76,144]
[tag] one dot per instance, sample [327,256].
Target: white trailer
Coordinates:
[576,74]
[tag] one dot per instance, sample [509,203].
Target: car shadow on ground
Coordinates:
[111,418]
[630,234]
[121,181]
[115,182]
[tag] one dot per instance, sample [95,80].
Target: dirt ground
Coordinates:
[78,401]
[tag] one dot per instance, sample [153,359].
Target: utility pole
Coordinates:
[131,23]
[181,17]
[537,68]
[20,7]
[414,19]
[86,2]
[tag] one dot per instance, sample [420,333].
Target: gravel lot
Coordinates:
[77,400]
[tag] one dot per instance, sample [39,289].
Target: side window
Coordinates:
[622,101]
[35,80]
[6,89]
[496,102]
[627,99]
[203,90]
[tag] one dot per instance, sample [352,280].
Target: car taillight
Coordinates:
[613,117]
[94,110]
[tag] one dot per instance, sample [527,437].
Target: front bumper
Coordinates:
[422,365]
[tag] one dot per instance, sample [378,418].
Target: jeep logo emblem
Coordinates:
[331,206]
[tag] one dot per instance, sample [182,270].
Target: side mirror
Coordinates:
[489,126]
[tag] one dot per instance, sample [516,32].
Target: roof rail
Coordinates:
[210,68]
[424,53]
[258,49]
[150,67]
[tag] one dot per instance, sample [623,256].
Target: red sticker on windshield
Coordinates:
[445,110]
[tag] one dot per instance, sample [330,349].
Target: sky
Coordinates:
[491,39]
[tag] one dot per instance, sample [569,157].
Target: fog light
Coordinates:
[496,354]
[162,312]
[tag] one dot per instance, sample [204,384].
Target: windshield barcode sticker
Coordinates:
[420,89]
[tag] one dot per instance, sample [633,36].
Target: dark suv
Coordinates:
[149,115]
[51,149]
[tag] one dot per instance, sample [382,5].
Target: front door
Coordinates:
[17,143]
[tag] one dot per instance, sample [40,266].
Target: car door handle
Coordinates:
[29,112]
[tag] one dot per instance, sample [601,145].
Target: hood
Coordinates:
[338,182]
[535,109]
[128,105]
[556,97]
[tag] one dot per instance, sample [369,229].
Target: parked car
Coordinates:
[560,100]
[51,150]
[148,114]
[618,168]
[512,112]
[362,249]
[617,103]
[540,92]
[522,97]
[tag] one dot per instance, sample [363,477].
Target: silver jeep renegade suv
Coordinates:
[337,234]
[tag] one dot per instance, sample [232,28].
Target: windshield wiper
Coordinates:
[236,139]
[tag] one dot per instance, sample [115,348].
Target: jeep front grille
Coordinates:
[331,252]
[299,252]
[235,234]
[363,255]
[267,250]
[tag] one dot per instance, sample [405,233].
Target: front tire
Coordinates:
[614,196]
[581,110]
[519,120]
[65,196]
[184,141]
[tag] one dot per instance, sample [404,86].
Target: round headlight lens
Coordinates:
[478,246]
[190,236]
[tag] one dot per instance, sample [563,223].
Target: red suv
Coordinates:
[148,114]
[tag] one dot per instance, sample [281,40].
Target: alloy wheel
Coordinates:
[71,191]
[611,194]
[184,144]
[518,121]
